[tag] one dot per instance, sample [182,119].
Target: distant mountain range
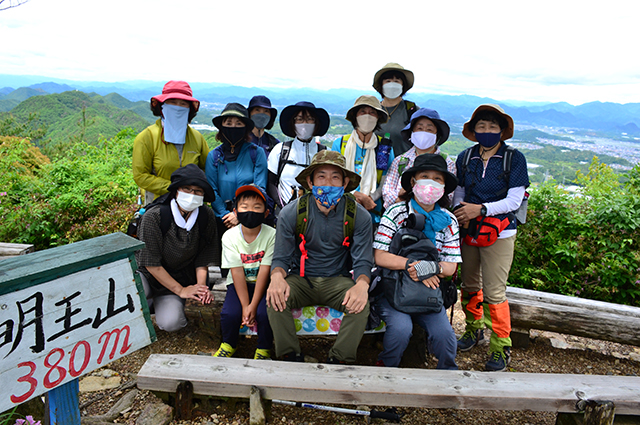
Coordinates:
[612,119]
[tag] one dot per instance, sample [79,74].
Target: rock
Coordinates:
[107,373]
[96,420]
[98,383]
[155,414]
[558,343]
[635,356]
[256,408]
[124,403]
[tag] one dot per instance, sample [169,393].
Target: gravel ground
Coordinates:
[587,357]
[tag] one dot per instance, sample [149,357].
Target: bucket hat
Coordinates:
[175,89]
[263,102]
[442,126]
[328,157]
[392,66]
[191,175]
[430,161]
[371,101]
[506,133]
[234,110]
[287,114]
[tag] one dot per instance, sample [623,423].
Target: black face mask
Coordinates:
[250,219]
[233,135]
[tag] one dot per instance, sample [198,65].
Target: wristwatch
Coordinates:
[483,211]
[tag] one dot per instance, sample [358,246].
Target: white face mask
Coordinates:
[392,90]
[189,201]
[305,131]
[366,123]
[423,140]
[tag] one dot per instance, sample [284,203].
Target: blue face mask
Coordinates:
[175,119]
[328,196]
[260,120]
[488,140]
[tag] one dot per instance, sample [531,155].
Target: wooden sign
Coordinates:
[86,316]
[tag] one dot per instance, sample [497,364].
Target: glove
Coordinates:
[426,269]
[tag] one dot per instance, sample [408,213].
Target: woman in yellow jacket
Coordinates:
[170,143]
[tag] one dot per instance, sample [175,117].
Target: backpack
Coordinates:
[382,153]
[521,212]
[348,228]
[411,108]
[284,156]
[218,155]
[404,161]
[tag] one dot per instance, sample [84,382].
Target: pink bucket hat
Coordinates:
[175,89]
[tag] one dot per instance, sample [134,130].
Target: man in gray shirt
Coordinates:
[313,258]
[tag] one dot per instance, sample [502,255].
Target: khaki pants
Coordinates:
[328,291]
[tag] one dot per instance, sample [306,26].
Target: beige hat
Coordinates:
[506,133]
[392,66]
[371,101]
[328,157]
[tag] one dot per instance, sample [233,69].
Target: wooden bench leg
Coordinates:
[595,413]
[184,400]
[256,408]
[520,338]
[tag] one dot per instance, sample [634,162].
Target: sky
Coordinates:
[542,51]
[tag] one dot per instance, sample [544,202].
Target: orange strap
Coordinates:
[304,255]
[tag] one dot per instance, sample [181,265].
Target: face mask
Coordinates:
[250,219]
[428,191]
[366,123]
[233,134]
[392,90]
[175,119]
[423,140]
[260,120]
[488,140]
[328,196]
[189,201]
[305,131]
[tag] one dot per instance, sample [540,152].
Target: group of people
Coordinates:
[297,224]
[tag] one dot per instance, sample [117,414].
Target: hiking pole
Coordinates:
[374,413]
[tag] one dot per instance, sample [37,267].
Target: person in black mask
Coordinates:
[247,251]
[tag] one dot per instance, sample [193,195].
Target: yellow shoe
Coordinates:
[262,354]
[225,350]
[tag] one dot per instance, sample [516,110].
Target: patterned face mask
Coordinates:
[427,191]
[328,196]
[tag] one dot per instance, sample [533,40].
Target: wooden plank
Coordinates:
[11,249]
[63,404]
[575,316]
[324,383]
[26,270]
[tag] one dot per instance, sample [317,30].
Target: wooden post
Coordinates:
[599,413]
[63,404]
[184,400]
[256,408]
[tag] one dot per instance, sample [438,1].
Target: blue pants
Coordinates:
[441,338]
[231,318]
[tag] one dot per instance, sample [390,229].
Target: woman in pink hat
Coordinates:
[170,143]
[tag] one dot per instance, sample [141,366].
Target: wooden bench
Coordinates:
[571,315]
[13,249]
[325,383]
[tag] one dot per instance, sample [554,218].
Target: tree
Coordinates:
[8,4]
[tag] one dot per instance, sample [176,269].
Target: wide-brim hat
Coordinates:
[263,102]
[191,175]
[392,66]
[259,191]
[441,125]
[328,157]
[371,101]
[287,114]
[430,161]
[506,133]
[175,89]
[234,110]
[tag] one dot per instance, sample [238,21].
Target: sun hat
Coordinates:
[259,191]
[328,157]
[506,133]
[443,127]
[234,110]
[429,161]
[175,89]
[263,102]
[287,114]
[371,101]
[191,175]
[392,66]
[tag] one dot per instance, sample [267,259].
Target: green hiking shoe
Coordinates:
[470,339]
[225,350]
[262,354]
[499,360]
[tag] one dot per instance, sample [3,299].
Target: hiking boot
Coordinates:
[293,357]
[470,339]
[225,350]
[262,354]
[499,360]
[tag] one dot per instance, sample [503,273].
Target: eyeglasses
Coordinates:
[198,192]
[301,120]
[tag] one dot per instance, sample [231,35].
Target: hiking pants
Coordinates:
[169,308]
[231,318]
[485,271]
[441,338]
[329,291]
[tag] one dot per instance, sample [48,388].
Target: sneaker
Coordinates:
[293,357]
[380,363]
[333,360]
[262,354]
[499,360]
[225,350]
[470,339]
